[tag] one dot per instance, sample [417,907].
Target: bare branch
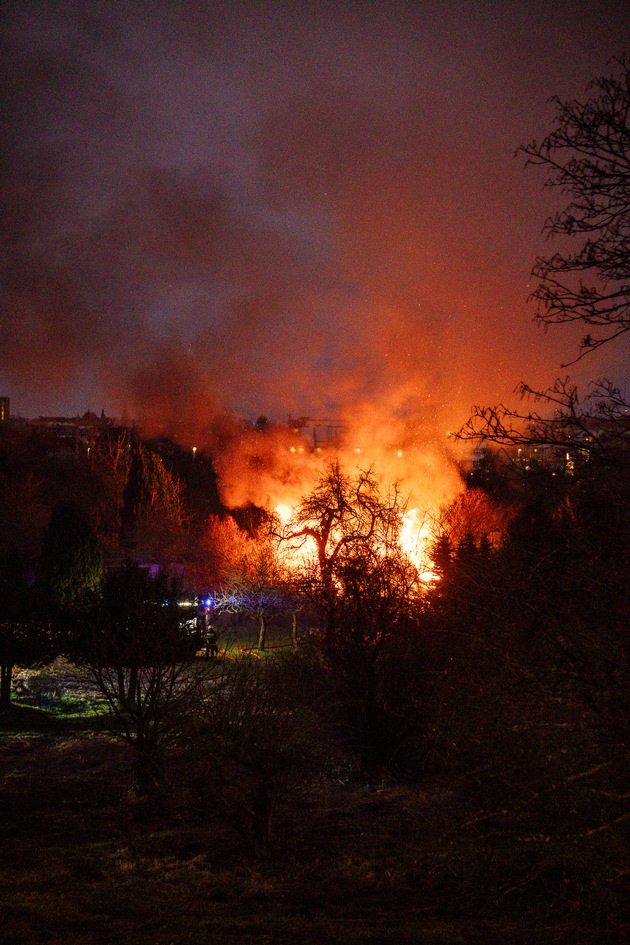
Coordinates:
[598,426]
[587,157]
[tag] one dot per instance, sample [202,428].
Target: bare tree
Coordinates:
[141,660]
[343,520]
[249,574]
[594,427]
[364,589]
[111,458]
[587,157]
[247,746]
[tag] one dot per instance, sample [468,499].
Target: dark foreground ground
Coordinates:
[82,862]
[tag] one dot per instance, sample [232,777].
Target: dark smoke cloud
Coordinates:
[278,208]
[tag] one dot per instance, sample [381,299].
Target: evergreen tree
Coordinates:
[152,495]
[71,562]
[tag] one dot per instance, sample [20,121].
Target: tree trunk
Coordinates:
[294,629]
[262,635]
[127,689]
[6,672]
[263,819]
[147,770]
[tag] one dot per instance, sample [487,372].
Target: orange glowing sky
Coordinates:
[270,208]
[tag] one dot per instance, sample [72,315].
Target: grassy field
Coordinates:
[357,859]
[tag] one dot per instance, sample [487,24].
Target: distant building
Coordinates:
[78,434]
[324,433]
[5,409]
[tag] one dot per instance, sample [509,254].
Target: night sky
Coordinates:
[274,208]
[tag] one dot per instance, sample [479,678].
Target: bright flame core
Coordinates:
[294,555]
[414,538]
[284,512]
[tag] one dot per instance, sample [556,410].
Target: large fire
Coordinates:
[289,468]
[415,537]
[275,466]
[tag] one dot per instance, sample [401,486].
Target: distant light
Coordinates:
[293,449]
[358,450]
[399,453]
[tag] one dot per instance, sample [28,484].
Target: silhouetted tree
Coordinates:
[71,562]
[587,157]
[341,518]
[593,428]
[529,711]
[152,511]
[363,587]
[247,745]
[142,662]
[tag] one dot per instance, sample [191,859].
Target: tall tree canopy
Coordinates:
[152,511]
[71,562]
[150,487]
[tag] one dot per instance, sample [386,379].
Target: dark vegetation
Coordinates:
[445,764]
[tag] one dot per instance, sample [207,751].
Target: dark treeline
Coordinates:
[504,683]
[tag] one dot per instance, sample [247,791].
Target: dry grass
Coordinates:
[82,862]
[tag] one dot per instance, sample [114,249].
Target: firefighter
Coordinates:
[212,639]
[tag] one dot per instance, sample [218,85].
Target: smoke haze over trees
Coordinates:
[214,209]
